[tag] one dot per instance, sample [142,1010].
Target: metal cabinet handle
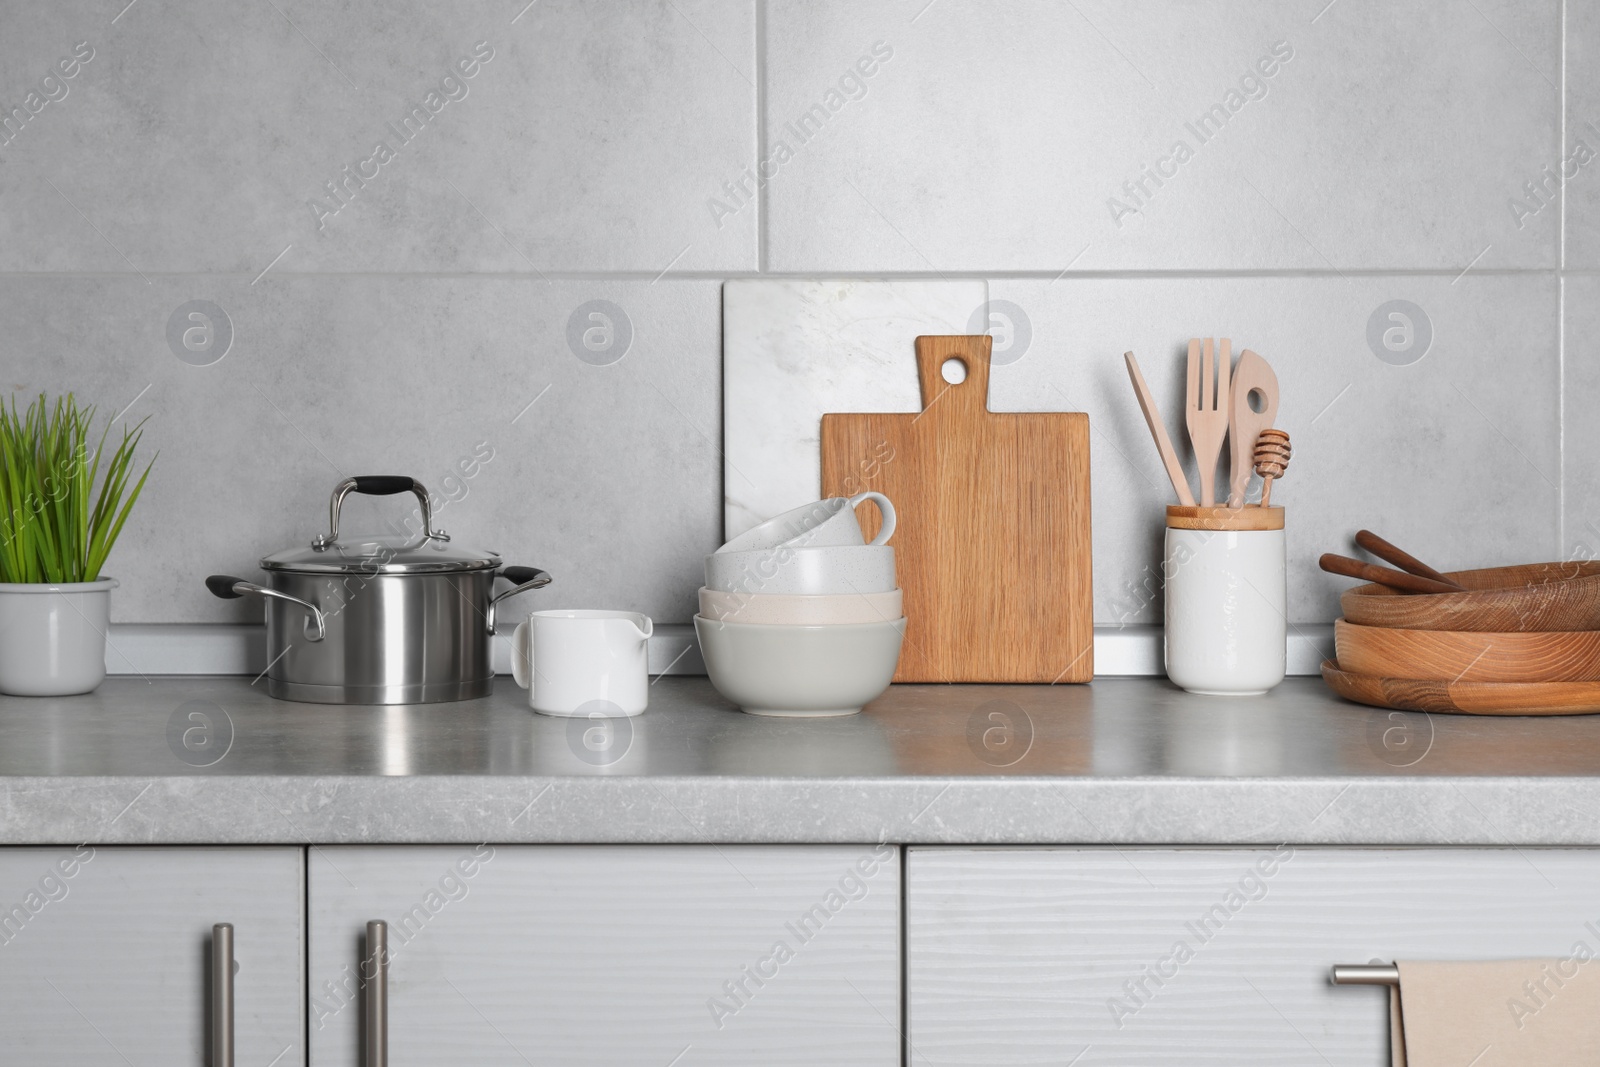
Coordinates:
[222,995]
[1366,974]
[375,994]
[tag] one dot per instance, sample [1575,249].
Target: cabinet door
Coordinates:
[105,954]
[1207,957]
[656,955]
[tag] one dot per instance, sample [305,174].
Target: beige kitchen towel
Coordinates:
[1500,1013]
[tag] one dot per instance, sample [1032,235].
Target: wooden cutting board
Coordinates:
[993,541]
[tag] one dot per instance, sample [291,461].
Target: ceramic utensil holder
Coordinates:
[1226,599]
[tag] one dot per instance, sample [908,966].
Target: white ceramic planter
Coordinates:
[1226,606]
[53,637]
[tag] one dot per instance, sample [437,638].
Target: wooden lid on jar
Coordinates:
[1249,517]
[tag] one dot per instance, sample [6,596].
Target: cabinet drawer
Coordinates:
[608,955]
[1151,956]
[104,954]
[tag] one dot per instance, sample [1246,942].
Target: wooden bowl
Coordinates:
[1470,698]
[1456,656]
[1532,598]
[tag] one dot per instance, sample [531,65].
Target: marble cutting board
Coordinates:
[794,349]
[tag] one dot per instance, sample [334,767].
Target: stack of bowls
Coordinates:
[1518,640]
[801,616]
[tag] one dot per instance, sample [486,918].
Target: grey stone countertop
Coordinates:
[1122,761]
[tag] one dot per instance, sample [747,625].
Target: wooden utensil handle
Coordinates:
[1371,572]
[1400,558]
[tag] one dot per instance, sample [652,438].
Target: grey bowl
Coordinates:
[775,669]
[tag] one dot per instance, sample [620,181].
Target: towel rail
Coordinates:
[1366,974]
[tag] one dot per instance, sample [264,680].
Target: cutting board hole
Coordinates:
[953,371]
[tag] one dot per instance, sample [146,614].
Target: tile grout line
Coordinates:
[1561,139]
[1561,295]
[1561,416]
[761,134]
[886,275]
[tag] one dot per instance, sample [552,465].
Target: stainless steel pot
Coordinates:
[380,620]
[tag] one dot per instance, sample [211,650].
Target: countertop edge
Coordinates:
[1382,811]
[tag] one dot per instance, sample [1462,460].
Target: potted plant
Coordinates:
[61,509]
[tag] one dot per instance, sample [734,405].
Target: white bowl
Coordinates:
[800,670]
[767,609]
[793,571]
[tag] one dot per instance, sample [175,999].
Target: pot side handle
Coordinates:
[227,587]
[526,578]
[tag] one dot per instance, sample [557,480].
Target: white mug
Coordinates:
[819,524]
[584,663]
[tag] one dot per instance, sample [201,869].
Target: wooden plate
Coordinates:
[1547,656]
[1471,698]
[1539,596]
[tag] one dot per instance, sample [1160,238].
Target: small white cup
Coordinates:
[1226,603]
[589,663]
[819,524]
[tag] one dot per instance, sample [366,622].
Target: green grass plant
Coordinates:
[62,505]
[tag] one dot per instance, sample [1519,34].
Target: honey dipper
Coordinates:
[1272,459]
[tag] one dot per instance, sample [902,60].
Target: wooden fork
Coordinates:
[1206,409]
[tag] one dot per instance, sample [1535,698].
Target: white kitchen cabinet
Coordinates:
[669,955]
[104,954]
[1055,956]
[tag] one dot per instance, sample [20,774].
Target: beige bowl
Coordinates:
[769,609]
[800,670]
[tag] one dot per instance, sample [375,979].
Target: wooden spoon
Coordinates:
[1253,377]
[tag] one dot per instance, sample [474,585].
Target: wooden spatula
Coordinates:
[1206,411]
[1252,378]
[1371,572]
[1398,557]
[1158,430]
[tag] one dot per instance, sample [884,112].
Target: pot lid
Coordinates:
[381,554]
[426,552]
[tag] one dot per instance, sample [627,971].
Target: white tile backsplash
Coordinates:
[1035,137]
[640,152]
[1577,179]
[203,137]
[610,480]
[1581,448]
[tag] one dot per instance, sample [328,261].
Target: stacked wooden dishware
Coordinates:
[1501,641]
